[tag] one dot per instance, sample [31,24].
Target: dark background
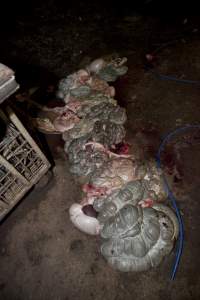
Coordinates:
[42,255]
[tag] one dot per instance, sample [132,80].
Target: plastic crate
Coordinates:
[22,163]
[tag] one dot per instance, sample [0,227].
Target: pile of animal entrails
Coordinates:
[123,198]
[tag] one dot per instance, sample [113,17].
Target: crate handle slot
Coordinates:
[12,170]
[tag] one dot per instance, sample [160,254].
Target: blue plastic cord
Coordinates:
[172,198]
[171,78]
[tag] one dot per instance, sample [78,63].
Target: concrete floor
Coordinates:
[42,256]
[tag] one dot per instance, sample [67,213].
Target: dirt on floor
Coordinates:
[42,255]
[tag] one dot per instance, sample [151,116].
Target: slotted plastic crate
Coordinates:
[22,163]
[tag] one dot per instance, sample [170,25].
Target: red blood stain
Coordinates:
[122,148]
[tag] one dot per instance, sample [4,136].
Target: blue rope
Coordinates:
[160,76]
[171,78]
[172,198]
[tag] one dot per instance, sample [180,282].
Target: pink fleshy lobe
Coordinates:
[91,190]
[146,203]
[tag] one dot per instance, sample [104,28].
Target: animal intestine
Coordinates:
[123,197]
